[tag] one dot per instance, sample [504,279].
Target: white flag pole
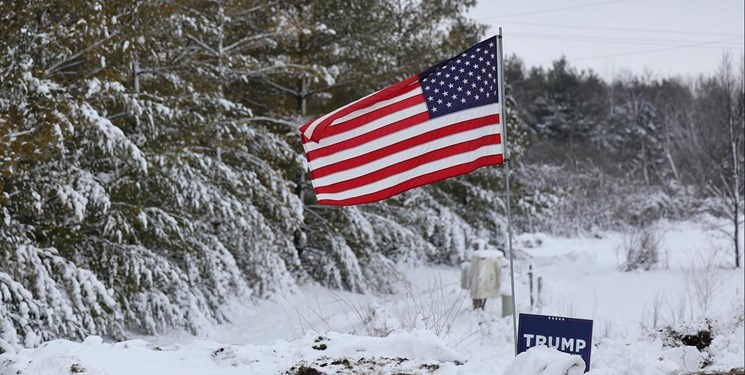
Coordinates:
[503,120]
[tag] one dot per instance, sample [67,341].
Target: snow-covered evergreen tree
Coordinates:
[147,180]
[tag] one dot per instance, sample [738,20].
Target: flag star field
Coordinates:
[465,82]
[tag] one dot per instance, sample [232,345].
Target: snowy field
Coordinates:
[430,327]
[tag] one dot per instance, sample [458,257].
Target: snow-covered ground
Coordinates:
[430,327]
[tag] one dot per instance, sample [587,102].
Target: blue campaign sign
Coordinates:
[569,335]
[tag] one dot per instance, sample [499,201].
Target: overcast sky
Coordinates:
[667,37]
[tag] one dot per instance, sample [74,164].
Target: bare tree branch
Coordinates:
[251,10]
[246,39]
[281,88]
[62,64]
[203,45]
[270,119]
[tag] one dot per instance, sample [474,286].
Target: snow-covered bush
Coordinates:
[703,282]
[640,248]
[585,199]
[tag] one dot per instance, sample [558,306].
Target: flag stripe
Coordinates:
[316,128]
[406,148]
[317,157]
[383,126]
[386,131]
[373,116]
[413,91]
[416,171]
[365,176]
[428,178]
[308,129]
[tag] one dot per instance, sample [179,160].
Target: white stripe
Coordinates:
[437,144]
[370,126]
[312,127]
[426,126]
[377,106]
[421,170]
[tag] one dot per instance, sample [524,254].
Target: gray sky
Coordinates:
[666,37]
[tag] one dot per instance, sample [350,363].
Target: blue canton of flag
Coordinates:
[466,81]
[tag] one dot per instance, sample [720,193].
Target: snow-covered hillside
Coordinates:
[428,326]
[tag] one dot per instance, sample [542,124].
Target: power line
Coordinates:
[612,40]
[551,10]
[646,51]
[588,27]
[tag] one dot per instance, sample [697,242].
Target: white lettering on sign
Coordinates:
[540,340]
[561,343]
[567,344]
[581,344]
[528,337]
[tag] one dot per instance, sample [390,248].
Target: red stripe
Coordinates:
[409,164]
[418,181]
[367,137]
[405,144]
[305,126]
[384,94]
[372,116]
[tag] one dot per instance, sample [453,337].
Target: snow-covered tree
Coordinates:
[712,145]
[147,180]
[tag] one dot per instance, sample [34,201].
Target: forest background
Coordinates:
[151,172]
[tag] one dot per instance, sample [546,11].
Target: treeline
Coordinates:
[606,154]
[151,172]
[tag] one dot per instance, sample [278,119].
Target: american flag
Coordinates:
[438,124]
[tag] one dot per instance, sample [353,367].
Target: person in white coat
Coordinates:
[485,276]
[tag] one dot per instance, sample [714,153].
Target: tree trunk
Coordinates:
[136,86]
[736,175]
[668,153]
[737,234]
[135,75]
[302,90]
[672,165]
[644,164]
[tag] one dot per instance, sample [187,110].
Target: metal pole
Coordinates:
[503,119]
[539,304]
[530,285]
